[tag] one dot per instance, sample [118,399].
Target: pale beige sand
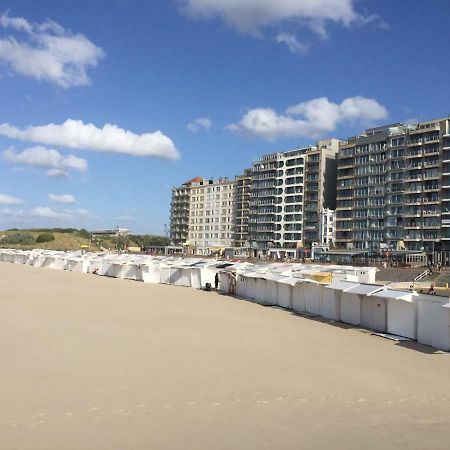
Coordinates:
[96,363]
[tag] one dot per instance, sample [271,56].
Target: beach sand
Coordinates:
[97,363]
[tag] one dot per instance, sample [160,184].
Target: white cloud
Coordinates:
[56,173]
[254,16]
[10,200]
[47,52]
[45,212]
[39,212]
[64,198]
[202,123]
[42,214]
[313,118]
[48,158]
[293,44]
[77,135]
[250,16]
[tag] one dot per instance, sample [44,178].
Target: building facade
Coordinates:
[327,228]
[179,212]
[393,188]
[243,185]
[212,216]
[276,203]
[320,187]
[288,191]
[389,187]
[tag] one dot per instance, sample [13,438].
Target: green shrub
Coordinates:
[84,233]
[45,237]
[19,238]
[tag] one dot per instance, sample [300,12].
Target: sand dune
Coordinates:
[97,363]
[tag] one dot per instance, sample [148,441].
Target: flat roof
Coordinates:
[396,295]
[342,285]
[367,289]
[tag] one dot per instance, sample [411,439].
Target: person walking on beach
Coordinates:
[216,281]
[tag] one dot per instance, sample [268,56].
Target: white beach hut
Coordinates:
[260,294]
[402,312]
[228,281]
[115,269]
[246,285]
[132,271]
[298,296]
[150,273]
[196,277]
[272,287]
[177,277]
[373,309]
[165,274]
[313,293]
[433,321]
[285,289]
[351,306]
[241,285]
[331,299]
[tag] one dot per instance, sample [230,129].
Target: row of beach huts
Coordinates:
[337,293]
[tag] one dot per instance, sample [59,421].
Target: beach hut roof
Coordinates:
[343,286]
[396,295]
[290,280]
[364,289]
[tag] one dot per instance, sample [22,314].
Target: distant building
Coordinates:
[212,215]
[320,187]
[393,189]
[243,186]
[111,232]
[288,191]
[179,212]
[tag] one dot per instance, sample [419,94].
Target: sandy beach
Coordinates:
[98,363]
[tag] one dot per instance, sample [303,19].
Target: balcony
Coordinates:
[347,165]
[413,155]
[412,178]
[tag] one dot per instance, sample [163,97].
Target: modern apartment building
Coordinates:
[212,215]
[243,184]
[320,187]
[393,188]
[288,191]
[276,203]
[179,212]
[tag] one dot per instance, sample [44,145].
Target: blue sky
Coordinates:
[261,78]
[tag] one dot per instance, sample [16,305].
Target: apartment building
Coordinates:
[393,188]
[179,212]
[276,203]
[212,215]
[288,191]
[320,187]
[243,185]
